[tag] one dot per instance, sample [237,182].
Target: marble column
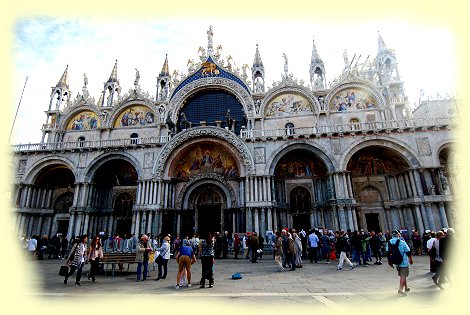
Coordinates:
[251,188]
[275,222]
[430,215]
[71,225]
[442,214]
[39,226]
[137,223]
[255,179]
[342,217]
[149,222]
[410,177]
[255,214]
[263,223]
[78,223]
[270,219]
[268,188]
[85,224]
[350,224]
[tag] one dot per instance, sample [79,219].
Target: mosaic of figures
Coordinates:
[373,164]
[299,164]
[135,116]
[86,120]
[116,173]
[205,158]
[287,105]
[352,99]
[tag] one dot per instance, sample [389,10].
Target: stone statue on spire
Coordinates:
[210,47]
[137,78]
[85,80]
[286,65]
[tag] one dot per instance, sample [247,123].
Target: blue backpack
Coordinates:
[236,276]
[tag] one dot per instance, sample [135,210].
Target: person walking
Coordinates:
[290,259]
[206,252]
[76,259]
[445,244]
[254,247]
[185,258]
[95,253]
[278,251]
[226,240]
[142,257]
[403,268]
[342,246]
[325,246]
[32,245]
[163,257]
[236,246]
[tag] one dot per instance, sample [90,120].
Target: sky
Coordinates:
[44,46]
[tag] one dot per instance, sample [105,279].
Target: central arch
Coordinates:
[206,201]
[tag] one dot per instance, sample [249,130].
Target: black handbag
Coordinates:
[159,259]
[432,252]
[63,271]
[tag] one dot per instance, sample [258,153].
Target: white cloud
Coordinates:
[45,46]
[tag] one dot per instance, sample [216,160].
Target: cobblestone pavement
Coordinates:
[316,284]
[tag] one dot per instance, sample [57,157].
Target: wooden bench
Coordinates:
[118,258]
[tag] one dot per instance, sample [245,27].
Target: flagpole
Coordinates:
[17,109]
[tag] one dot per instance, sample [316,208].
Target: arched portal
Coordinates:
[54,188]
[123,213]
[300,207]
[114,188]
[300,185]
[380,177]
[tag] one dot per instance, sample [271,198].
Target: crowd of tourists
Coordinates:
[289,248]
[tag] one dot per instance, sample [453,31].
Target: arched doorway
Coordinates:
[379,178]
[59,180]
[115,185]
[123,213]
[208,204]
[300,207]
[61,210]
[300,185]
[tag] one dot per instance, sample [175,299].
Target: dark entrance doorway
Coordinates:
[123,213]
[62,227]
[301,221]
[209,219]
[187,224]
[372,222]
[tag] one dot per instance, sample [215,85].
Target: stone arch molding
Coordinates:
[90,171]
[380,99]
[122,106]
[198,132]
[289,89]
[406,152]
[210,82]
[201,179]
[32,172]
[65,118]
[379,186]
[286,148]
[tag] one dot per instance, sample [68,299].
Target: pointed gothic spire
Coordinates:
[63,81]
[382,46]
[315,56]
[113,76]
[210,46]
[165,70]
[257,61]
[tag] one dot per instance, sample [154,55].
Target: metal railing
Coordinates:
[350,128]
[362,127]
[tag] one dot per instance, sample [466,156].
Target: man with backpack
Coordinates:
[399,254]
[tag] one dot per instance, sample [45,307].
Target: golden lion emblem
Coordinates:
[209,68]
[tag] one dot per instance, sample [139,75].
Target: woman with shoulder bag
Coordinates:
[163,257]
[95,253]
[76,259]
[206,252]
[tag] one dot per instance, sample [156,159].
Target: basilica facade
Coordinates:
[217,149]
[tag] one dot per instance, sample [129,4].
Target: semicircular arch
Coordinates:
[298,90]
[182,202]
[34,170]
[84,117]
[402,149]
[94,165]
[295,145]
[241,94]
[134,109]
[161,166]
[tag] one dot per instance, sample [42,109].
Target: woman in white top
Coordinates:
[163,257]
